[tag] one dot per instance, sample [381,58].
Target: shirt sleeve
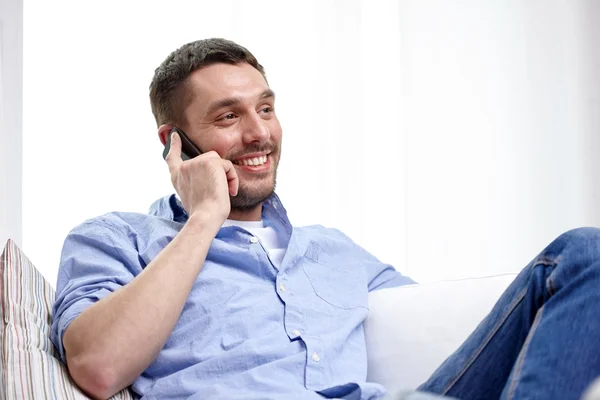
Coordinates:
[96,260]
[379,275]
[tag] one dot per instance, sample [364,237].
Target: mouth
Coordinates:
[253,161]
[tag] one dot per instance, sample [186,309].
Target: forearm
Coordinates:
[113,341]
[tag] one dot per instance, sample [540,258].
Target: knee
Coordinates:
[573,243]
[586,236]
[577,248]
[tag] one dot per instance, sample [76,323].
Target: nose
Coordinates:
[255,129]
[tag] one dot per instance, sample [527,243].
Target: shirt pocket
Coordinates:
[337,281]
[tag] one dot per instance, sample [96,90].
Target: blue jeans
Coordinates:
[542,338]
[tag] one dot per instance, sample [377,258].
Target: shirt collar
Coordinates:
[171,208]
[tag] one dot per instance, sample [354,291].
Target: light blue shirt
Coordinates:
[247,330]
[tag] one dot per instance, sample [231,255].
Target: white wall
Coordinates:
[589,85]
[11,91]
[450,139]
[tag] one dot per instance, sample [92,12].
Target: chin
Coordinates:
[249,198]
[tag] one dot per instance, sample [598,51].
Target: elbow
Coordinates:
[94,377]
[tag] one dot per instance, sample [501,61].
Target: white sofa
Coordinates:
[411,330]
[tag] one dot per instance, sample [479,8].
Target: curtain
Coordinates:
[450,139]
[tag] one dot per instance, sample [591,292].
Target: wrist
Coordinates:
[202,220]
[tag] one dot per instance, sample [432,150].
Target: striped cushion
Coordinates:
[29,364]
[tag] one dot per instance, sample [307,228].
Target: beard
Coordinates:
[250,196]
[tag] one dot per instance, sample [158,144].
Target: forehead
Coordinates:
[219,81]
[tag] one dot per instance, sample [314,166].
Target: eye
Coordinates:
[227,117]
[266,110]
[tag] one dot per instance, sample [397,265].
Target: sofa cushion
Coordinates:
[412,329]
[29,363]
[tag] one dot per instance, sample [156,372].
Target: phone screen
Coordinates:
[188,148]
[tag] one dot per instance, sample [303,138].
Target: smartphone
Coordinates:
[188,148]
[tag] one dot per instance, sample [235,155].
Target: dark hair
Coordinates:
[168,91]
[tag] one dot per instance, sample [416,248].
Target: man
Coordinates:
[213,294]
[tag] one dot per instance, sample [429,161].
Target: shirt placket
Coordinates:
[294,323]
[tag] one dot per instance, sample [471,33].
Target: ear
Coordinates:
[163,132]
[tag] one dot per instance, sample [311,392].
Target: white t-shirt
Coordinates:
[267,237]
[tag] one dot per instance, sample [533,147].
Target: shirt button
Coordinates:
[282,287]
[295,333]
[253,240]
[315,357]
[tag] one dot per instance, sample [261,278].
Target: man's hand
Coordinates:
[203,183]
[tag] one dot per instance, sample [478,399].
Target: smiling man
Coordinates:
[214,294]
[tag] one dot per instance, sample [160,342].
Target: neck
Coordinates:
[253,214]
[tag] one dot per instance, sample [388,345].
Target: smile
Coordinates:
[252,161]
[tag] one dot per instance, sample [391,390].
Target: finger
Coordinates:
[211,154]
[232,177]
[173,157]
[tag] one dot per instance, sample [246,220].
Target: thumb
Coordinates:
[173,158]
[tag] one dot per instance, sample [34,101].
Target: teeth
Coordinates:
[253,161]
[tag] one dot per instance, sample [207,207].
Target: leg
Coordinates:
[542,338]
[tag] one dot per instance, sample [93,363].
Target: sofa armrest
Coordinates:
[411,330]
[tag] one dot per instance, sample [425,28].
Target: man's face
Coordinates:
[232,113]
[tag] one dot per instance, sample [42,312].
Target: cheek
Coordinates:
[275,130]
[224,145]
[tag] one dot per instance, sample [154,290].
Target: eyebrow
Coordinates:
[231,101]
